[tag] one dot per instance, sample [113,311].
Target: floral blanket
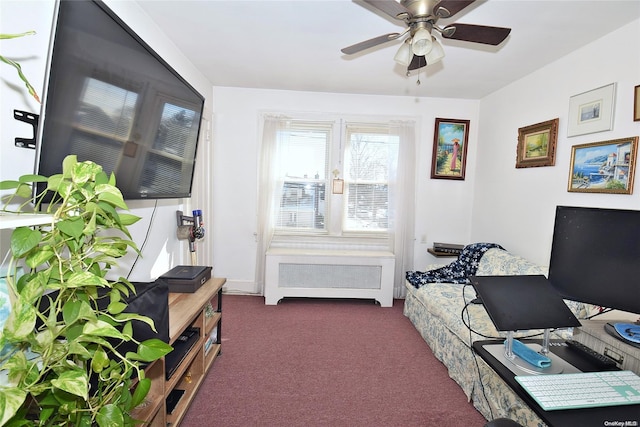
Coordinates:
[456,272]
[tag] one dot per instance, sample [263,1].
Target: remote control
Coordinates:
[596,357]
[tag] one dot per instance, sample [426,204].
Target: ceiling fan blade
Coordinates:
[448,8]
[358,47]
[476,33]
[417,62]
[390,7]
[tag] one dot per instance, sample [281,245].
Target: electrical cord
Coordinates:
[602,311]
[146,238]
[473,352]
[467,323]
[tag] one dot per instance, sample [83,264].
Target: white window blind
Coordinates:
[371,154]
[302,165]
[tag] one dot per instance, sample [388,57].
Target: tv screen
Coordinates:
[112,100]
[595,256]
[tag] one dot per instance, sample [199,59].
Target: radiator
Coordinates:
[329,274]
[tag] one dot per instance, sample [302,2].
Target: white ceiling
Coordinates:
[295,44]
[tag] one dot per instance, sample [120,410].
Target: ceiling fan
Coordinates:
[420,48]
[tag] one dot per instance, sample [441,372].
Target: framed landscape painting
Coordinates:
[537,144]
[450,141]
[604,167]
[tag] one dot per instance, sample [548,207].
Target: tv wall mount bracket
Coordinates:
[33,120]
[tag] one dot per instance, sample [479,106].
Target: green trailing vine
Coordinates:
[17,66]
[61,365]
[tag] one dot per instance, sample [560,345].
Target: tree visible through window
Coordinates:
[370,156]
[367,158]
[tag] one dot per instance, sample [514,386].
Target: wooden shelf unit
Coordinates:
[185,310]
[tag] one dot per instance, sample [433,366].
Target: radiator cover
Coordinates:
[329,274]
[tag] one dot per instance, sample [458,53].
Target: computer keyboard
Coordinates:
[582,390]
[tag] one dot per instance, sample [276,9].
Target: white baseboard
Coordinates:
[240,287]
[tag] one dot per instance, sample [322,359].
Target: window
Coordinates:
[302,163]
[366,158]
[370,155]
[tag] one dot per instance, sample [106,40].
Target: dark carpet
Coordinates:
[316,362]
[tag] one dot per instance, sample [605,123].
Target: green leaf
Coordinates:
[29,178]
[39,257]
[80,349]
[110,416]
[128,219]
[141,391]
[67,165]
[71,227]
[125,317]
[113,249]
[72,311]
[23,239]
[127,329]
[13,36]
[99,361]
[10,401]
[83,278]
[9,184]
[74,382]
[110,194]
[24,191]
[150,350]
[116,307]
[32,290]
[21,321]
[102,329]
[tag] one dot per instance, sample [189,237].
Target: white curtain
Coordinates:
[401,198]
[268,189]
[402,204]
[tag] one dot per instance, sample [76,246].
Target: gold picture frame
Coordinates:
[636,104]
[537,144]
[604,167]
[450,141]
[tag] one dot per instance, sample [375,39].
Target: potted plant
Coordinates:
[61,360]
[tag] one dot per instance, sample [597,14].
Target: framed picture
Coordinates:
[604,167]
[450,141]
[537,144]
[636,104]
[338,186]
[592,111]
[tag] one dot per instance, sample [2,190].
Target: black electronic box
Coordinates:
[186,278]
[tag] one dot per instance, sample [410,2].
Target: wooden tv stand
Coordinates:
[186,310]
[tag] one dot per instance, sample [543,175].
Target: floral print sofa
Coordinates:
[435,309]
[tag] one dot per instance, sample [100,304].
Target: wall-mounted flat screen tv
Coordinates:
[111,99]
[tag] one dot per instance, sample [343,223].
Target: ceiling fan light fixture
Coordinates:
[421,43]
[403,55]
[436,53]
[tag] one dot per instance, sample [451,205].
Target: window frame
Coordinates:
[336,205]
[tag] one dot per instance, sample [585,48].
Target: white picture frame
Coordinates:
[592,111]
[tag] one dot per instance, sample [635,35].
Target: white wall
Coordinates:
[443,206]
[516,207]
[162,249]
[496,202]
